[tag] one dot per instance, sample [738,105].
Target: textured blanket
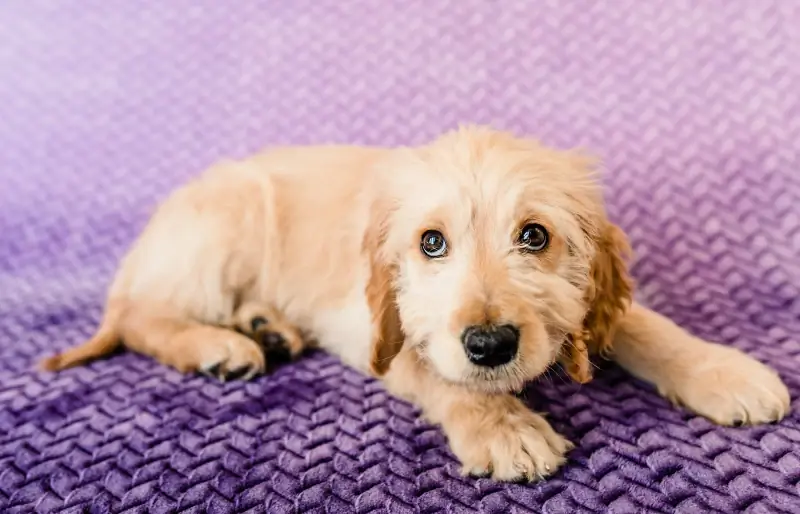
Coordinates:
[105,105]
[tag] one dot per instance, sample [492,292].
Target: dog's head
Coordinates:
[492,256]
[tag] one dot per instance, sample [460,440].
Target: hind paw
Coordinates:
[280,340]
[227,355]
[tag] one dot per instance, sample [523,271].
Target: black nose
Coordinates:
[490,346]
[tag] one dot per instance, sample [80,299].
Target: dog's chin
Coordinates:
[509,378]
[494,385]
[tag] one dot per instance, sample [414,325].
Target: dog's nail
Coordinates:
[211,369]
[738,422]
[480,473]
[257,322]
[238,373]
[522,479]
[250,374]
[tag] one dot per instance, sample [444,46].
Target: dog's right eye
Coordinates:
[433,244]
[534,238]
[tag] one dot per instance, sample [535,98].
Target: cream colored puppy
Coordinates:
[456,271]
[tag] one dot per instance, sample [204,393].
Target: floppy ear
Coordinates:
[387,333]
[609,295]
[575,359]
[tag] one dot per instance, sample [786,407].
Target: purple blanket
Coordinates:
[105,105]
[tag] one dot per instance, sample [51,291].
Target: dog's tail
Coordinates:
[106,340]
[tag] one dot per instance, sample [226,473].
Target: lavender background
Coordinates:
[106,104]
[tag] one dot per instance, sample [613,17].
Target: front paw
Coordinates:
[509,442]
[729,388]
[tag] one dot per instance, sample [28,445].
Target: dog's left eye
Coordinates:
[433,244]
[533,237]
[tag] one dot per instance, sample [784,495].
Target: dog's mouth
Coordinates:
[507,378]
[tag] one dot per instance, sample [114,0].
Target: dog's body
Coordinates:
[456,271]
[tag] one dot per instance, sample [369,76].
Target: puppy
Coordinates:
[456,272]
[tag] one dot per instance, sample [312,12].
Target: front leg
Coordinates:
[718,382]
[491,434]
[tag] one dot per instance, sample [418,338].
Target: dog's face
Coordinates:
[491,255]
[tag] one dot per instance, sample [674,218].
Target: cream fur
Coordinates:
[324,243]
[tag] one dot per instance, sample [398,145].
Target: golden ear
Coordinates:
[609,295]
[610,292]
[387,333]
[575,359]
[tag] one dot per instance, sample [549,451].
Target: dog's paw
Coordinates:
[280,341]
[277,338]
[516,446]
[730,388]
[226,355]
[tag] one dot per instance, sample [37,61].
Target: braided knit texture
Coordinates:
[106,105]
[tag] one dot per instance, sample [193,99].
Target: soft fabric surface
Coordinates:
[107,104]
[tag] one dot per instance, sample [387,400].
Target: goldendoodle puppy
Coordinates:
[456,271]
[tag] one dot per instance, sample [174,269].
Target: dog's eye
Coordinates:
[433,244]
[533,238]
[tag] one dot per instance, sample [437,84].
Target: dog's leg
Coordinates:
[491,434]
[172,339]
[190,346]
[715,381]
[176,292]
[280,340]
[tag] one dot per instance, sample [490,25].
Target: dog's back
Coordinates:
[283,228]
